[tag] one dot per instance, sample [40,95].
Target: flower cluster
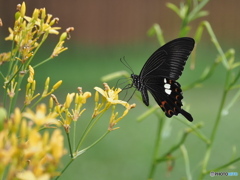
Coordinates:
[28,35]
[27,149]
[28,153]
[65,112]
[27,31]
[110,98]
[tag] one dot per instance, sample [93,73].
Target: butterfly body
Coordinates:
[159,74]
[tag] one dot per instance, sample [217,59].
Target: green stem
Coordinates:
[195,129]
[17,88]
[10,105]
[37,102]
[2,75]
[69,145]
[81,152]
[87,130]
[70,162]
[159,34]
[216,124]
[173,148]
[12,56]
[40,44]
[156,148]
[13,103]
[224,166]
[93,144]
[186,160]
[42,62]
[215,128]
[216,43]
[205,75]
[74,134]
[233,101]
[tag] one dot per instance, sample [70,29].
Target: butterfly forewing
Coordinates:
[168,61]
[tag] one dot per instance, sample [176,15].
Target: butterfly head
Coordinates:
[135,81]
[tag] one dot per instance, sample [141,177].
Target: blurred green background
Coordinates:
[105,31]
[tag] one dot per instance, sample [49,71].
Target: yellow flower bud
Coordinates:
[23,128]
[23,9]
[34,85]
[31,74]
[43,13]
[17,15]
[28,87]
[76,98]
[35,14]
[50,103]
[69,99]
[14,140]
[47,81]
[96,96]
[54,21]
[45,91]
[46,138]
[57,85]
[63,36]
[49,17]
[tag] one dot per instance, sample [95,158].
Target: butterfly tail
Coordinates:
[186,115]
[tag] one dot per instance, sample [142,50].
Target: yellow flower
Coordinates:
[29,175]
[111,95]
[80,99]
[4,57]
[31,74]
[26,152]
[40,118]
[57,145]
[110,99]
[59,48]
[114,120]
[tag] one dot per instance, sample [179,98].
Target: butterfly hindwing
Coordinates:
[168,95]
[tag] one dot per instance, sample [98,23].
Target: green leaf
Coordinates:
[174,8]
[197,9]
[114,75]
[184,31]
[156,29]
[235,65]
[183,11]
[199,33]
[199,15]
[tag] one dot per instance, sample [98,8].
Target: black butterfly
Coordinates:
[159,75]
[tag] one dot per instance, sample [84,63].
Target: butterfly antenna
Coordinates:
[125,63]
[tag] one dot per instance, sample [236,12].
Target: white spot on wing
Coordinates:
[165,80]
[167,86]
[168,91]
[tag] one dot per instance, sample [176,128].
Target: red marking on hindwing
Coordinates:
[170,112]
